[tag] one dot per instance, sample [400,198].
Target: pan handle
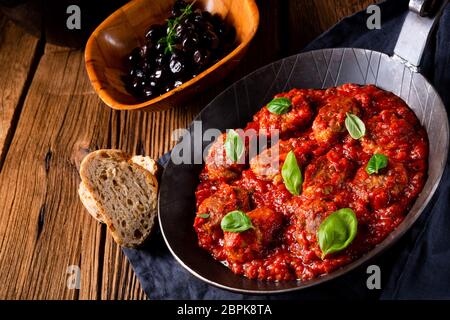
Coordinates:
[416,30]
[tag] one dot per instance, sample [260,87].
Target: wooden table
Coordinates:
[50,118]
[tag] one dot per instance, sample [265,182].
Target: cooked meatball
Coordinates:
[218,165]
[330,120]
[227,198]
[253,243]
[299,115]
[308,216]
[267,165]
[327,174]
[381,189]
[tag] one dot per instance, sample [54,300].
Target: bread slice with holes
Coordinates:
[120,191]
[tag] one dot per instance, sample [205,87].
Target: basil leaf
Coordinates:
[279,105]
[355,126]
[203,215]
[234,146]
[376,163]
[337,231]
[236,221]
[292,175]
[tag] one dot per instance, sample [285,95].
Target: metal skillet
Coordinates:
[234,107]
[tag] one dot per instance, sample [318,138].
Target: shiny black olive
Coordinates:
[166,88]
[201,57]
[198,17]
[133,84]
[200,26]
[158,74]
[178,6]
[177,64]
[188,25]
[160,59]
[190,42]
[134,57]
[189,22]
[145,51]
[160,47]
[137,85]
[154,33]
[136,73]
[146,66]
[180,31]
[149,91]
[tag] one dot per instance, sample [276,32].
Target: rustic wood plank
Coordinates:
[44,228]
[16,69]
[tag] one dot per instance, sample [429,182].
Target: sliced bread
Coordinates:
[122,192]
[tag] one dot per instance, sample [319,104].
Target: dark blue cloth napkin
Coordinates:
[417,267]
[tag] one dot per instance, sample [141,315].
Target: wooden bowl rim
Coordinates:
[103,93]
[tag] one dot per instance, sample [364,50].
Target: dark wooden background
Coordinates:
[50,118]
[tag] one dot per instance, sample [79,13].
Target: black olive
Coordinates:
[198,17]
[177,64]
[201,57]
[134,57]
[137,84]
[149,91]
[131,85]
[167,88]
[188,24]
[160,59]
[200,26]
[145,51]
[189,42]
[147,66]
[180,31]
[158,74]
[178,6]
[160,47]
[136,73]
[154,33]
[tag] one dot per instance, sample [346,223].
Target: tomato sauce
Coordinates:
[283,243]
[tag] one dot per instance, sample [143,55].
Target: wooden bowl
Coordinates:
[124,30]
